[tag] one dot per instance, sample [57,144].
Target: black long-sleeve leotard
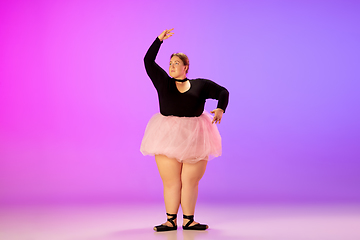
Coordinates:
[174,103]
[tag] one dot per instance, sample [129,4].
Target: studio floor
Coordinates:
[226,221]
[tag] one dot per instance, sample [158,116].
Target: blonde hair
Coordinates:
[183,58]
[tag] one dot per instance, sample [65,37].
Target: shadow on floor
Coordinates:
[149,234]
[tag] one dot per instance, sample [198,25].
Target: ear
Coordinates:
[186,67]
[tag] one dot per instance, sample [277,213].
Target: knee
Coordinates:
[190,183]
[173,185]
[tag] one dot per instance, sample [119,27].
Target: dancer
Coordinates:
[182,136]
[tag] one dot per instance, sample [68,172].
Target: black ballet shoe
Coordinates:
[163,228]
[197,226]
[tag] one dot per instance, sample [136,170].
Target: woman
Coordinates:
[181,136]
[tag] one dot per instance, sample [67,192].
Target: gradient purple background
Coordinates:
[75,98]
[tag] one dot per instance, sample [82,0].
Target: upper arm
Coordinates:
[215,91]
[157,75]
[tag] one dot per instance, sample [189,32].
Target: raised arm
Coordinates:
[154,71]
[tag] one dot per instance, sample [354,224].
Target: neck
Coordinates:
[181,80]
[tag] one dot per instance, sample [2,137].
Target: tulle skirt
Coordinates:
[187,139]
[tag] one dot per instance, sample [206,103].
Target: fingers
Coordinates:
[216,120]
[169,30]
[168,33]
[218,115]
[167,36]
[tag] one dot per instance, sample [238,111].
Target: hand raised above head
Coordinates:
[165,34]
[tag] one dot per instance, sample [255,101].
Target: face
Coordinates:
[177,69]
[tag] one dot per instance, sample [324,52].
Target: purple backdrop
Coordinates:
[75,98]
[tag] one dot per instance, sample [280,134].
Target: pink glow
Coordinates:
[75,98]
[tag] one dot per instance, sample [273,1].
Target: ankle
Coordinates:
[172,218]
[188,219]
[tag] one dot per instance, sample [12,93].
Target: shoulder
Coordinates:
[200,81]
[209,84]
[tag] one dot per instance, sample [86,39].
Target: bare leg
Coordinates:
[190,177]
[170,172]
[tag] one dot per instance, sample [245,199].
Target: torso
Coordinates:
[181,99]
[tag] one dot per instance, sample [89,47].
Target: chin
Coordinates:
[173,76]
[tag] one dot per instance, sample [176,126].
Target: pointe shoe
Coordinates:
[197,226]
[163,228]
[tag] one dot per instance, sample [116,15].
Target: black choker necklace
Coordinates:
[178,80]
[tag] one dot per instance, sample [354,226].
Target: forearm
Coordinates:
[152,51]
[223,99]
[154,71]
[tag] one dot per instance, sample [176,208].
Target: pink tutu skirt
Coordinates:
[187,139]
